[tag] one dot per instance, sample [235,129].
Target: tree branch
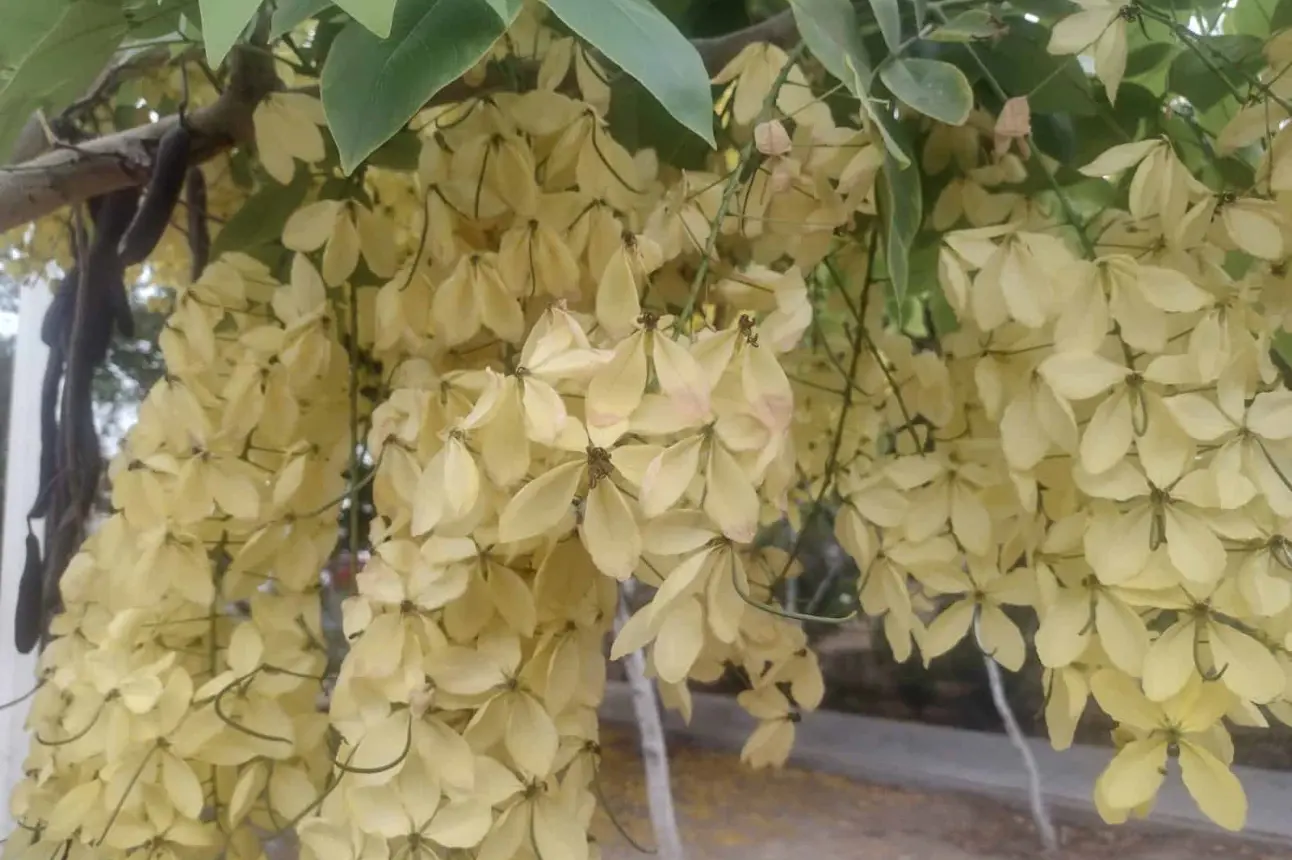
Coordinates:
[781,29]
[34,188]
[72,174]
[32,142]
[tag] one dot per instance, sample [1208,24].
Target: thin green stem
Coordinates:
[733,184]
[836,442]
[355,458]
[1069,212]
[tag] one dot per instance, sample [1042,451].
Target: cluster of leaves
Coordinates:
[575,362]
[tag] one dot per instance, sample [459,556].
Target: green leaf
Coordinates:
[968,26]
[151,20]
[932,87]
[1251,17]
[222,23]
[901,211]
[830,30]
[372,87]
[289,14]
[62,64]
[832,33]
[376,15]
[507,10]
[1145,59]
[640,122]
[644,43]
[1282,17]
[889,18]
[401,152]
[25,23]
[1281,352]
[921,13]
[1192,77]
[261,218]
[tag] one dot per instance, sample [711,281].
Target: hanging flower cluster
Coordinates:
[553,426]
[170,720]
[570,366]
[1104,440]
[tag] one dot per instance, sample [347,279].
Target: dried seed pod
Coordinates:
[170,168]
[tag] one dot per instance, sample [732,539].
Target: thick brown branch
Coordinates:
[32,142]
[69,175]
[35,188]
[780,29]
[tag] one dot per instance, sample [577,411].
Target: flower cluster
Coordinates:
[570,365]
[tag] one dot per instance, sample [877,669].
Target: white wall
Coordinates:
[17,672]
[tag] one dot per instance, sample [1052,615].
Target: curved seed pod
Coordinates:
[107,290]
[113,218]
[48,431]
[199,233]
[79,329]
[27,614]
[169,169]
[58,316]
[119,305]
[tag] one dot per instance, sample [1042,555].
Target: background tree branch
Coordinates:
[716,51]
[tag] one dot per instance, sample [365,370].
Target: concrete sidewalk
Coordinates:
[911,755]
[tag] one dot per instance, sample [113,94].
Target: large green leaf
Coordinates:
[921,12]
[1147,58]
[507,10]
[832,33]
[222,23]
[152,20]
[676,11]
[932,87]
[25,23]
[830,30]
[371,87]
[1280,16]
[889,18]
[401,152]
[641,122]
[376,15]
[61,65]
[644,43]
[1281,352]
[968,26]
[289,14]
[902,211]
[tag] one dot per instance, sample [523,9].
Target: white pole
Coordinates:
[659,787]
[22,479]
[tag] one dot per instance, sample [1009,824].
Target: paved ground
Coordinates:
[940,760]
[730,813]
